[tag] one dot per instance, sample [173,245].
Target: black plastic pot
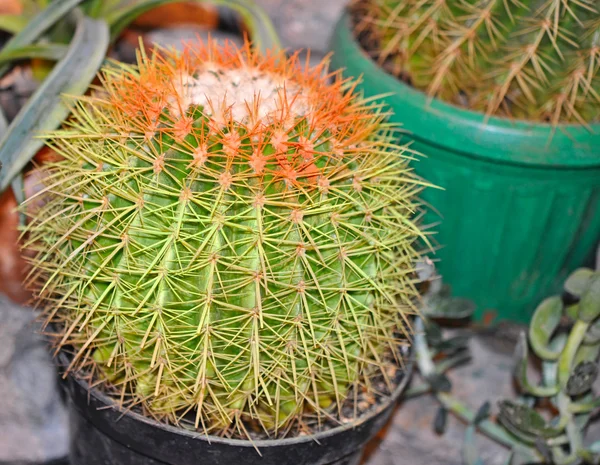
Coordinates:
[104,434]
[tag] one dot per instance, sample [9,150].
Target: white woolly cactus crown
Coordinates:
[229,235]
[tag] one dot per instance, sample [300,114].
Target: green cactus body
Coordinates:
[528,59]
[229,235]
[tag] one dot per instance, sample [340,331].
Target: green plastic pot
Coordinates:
[520,205]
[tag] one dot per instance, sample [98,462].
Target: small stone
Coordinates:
[33,420]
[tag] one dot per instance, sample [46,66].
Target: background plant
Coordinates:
[547,423]
[528,59]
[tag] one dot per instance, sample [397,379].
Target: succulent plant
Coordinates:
[229,233]
[547,423]
[564,335]
[528,59]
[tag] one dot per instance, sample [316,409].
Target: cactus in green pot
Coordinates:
[527,59]
[228,235]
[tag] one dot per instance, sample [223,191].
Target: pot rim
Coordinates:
[534,143]
[259,443]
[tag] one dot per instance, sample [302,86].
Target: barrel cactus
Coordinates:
[228,235]
[528,59]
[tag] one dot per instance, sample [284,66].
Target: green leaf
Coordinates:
[586,353]
[422,350]
[262,32]
[3,127]
[455,308]
[587,405]
[36,27]
[13,23]
[593,334]
[440,421]
[550,367]
[261,29]
[520,372]
[482,413]
[452,361]
[489,428]
[18,185]
[416,390]
[45,51]
[469,447]
[577,281]
[93,8]
[589,305]
[525,422]
[544,322]
[433,333]
[46,109]
[439,382]
[453,344]
[567,359]
[3,123]
[582,378]
[18,188]
[589,457]
[572,310]
[120,18]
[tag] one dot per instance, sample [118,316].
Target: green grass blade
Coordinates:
[34,5]
[3,128]
[470,456]
[13,23]
[36,27]
[93,8]
[262,31]
[122,17]
[18,188]
[18,183]
[53,52]
[3,123]
[46,109]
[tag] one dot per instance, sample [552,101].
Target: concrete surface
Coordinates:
[33,422]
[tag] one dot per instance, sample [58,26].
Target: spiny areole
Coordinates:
[252,264]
